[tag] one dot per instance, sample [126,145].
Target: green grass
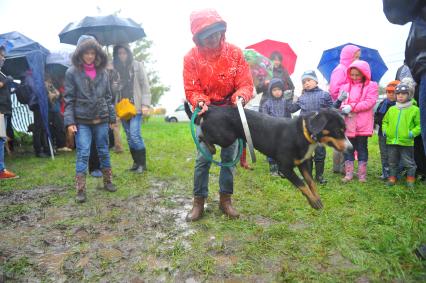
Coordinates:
[365,230]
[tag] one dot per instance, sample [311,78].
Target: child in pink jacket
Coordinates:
[358,108]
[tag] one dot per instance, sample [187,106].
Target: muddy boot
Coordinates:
[391,181]
[225,204]
[80,186]
[197,209]
[243,160]
[135,164]
[319,171]
[107,175]
[362,171]
[141,161]
[349,171]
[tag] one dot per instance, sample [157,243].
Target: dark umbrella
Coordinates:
[331,58]
[108,30]
[57,64]
[268,46]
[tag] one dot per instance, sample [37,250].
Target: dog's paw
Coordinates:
[316,204]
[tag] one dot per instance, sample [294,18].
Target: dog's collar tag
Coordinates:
[308,137]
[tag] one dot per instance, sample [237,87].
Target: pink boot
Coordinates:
[362,171]
[349,171]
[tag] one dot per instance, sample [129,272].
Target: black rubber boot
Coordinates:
[140,160]
[319,171]
[135,164]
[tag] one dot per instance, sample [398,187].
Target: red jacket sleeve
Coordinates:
[193,90]
[243,80]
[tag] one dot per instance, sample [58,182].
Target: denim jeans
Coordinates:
[2,142]
[360,144]
[83,139]
[202,167]
[384,155]
[132,128]
[422,106]
[401,156]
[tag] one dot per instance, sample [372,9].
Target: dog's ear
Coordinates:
[316,123]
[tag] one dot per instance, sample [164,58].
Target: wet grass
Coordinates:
[366,232]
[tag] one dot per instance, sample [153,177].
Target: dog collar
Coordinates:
[308,137]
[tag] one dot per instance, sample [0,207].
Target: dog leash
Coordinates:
[208,156]
[246,129]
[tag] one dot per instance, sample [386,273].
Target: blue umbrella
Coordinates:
[108,30]
[331,58]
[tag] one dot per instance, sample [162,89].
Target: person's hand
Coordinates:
[288,94]
[72,129]
[346,109]
[243,102]
[112,125]
[267,82]
[342,95]
[203,106]
[410,134]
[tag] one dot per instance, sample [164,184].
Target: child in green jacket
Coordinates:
[401,125]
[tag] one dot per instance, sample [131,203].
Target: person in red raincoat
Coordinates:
[215,73]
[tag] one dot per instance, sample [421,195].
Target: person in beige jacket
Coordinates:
[134,85]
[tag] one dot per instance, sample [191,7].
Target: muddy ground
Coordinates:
[113,240]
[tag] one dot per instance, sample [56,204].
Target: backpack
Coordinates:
[23,93]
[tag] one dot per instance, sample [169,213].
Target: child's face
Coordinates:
[277,62]
[277,92]
[402,97]
[89,56]
[357,55]
[356,75]
[212,41]
[390,94]
[309,84]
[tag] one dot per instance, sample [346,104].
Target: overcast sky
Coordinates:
[309,26]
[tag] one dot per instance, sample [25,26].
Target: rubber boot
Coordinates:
[273,169]
[319,172]
[107,177]
[80,186]
[410,181]
[391,181]
[197,209]
[135,164]
[243,160]
[362,171]
[225,204]
[349,171]
[140,156]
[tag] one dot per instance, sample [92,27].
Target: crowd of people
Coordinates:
[82,108]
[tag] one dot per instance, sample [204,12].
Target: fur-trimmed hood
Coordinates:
[86,44]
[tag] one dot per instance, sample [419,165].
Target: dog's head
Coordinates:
[328,127]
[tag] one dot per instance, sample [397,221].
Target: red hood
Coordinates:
[202,19]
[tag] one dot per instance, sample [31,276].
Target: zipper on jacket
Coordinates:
[397,125]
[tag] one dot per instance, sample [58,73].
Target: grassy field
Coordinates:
[365,233]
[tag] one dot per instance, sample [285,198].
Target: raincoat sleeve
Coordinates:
[337,79]
[293,106]
[327,100]
[385,123]
[110,102]
[69,98]
[193,91]
[144,82]
[243,81]
[369,100]
[264,108]
[417,129]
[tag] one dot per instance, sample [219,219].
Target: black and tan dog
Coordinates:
[290,142]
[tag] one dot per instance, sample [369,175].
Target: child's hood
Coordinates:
[347,54]
[203,19]
[363,67]
[275,82]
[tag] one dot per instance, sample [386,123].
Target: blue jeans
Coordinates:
[384,155]
[132,128]
[360,144]
[401,156]
[83,140]
[422,106]
[2,142]
[202,167]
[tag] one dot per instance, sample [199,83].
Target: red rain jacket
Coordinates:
[215,76]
